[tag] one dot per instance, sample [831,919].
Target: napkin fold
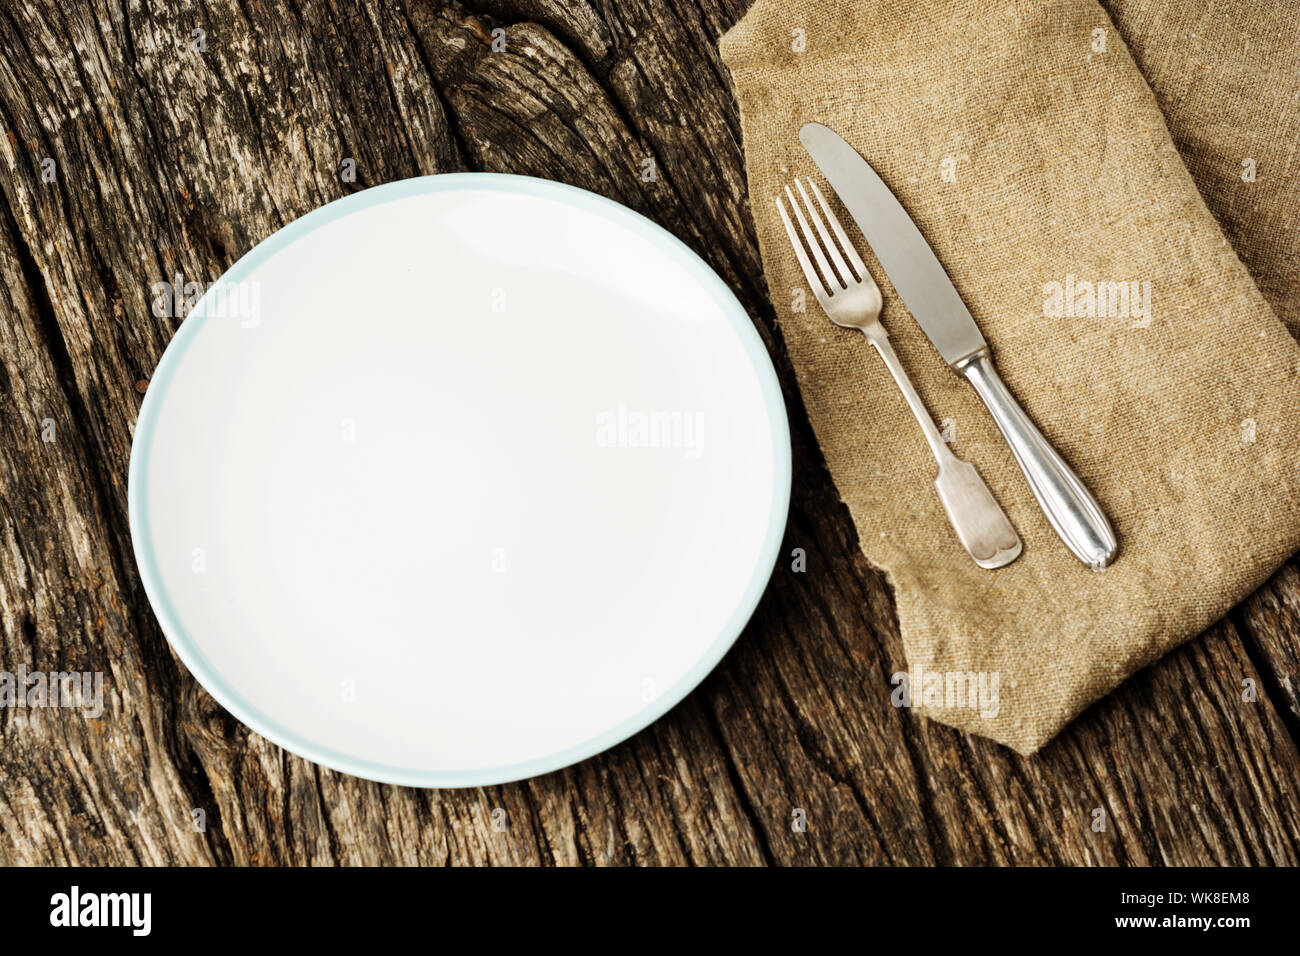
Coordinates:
[1033,154]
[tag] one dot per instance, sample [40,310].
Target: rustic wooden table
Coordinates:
[149,140]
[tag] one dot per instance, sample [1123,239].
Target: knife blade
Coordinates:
[908,260]
[923,285]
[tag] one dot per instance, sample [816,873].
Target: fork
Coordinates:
[851,299]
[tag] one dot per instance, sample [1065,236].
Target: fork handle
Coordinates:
[1070,508]
[879,340]
[982,526]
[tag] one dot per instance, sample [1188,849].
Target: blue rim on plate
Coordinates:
[193,658]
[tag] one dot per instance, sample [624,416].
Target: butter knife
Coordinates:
[929,295]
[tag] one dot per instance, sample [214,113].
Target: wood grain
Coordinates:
[172,159]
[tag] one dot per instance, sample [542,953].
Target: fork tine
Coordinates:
[846,277]
[809,272]
[832,281]
[859,266]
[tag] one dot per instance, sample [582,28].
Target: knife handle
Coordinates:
[1071,509]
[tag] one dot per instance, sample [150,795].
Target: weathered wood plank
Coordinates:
[1270,621]
[172,159]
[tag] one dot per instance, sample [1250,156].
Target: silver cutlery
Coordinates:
[929,295]
[851,298]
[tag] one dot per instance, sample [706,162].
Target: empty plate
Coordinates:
[459,480]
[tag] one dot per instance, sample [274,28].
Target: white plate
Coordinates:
[459,480]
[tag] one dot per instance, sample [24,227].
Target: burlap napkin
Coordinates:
[1034,156]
